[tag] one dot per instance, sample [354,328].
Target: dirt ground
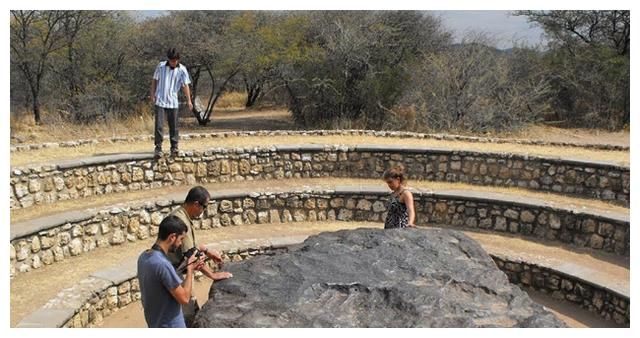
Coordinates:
[245,120]
[279,119]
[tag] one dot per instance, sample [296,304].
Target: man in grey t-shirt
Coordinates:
[162,289]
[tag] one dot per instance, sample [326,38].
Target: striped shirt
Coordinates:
[169,83]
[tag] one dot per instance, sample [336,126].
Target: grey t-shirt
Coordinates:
[157,276]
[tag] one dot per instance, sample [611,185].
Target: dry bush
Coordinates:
[22,125]
[401,117]
[476,87]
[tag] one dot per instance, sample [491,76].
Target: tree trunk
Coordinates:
[252,95]
[194,90]
[253,92]
[35,95]
[36,109]
[213,99]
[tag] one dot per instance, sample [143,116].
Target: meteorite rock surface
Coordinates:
[373,278]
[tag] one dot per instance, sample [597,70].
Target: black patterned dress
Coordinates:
[397,216]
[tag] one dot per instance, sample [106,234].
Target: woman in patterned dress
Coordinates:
[400,211]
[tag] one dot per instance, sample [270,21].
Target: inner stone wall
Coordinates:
[103,301]
[604,302]
[36,243]
[121,173]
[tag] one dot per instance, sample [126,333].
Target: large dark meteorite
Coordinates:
[373,278]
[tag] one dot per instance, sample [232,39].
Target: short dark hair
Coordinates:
[198,194]
[171,225]
[172,53]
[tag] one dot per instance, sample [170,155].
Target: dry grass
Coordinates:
[54,128]
[232,100]
[20,215]
[51,155]
[245,114]
[232,106]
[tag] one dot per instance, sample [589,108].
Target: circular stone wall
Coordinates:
[129,172]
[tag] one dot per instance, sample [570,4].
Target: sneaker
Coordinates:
[157,154]
[174,152]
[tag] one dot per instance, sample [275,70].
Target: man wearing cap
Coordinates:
[170,76]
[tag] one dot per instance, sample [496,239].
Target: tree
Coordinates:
[605,28]
[210,49]
[589,65]
[361,67]
[72,26]
[35,35]
[255,72]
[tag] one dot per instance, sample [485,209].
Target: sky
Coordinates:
[497,24]
[502,26]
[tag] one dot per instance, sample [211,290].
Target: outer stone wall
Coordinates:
[392,134]
[121,173]
[45,241]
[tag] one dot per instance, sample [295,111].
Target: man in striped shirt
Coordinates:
[168,78]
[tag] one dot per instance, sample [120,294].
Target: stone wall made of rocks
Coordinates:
[37,185]
[35,243]
[606,303]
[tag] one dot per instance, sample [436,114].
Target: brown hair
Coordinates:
[396,172]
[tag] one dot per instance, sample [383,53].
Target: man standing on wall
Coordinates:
[161,288]
[193,207]
[168,78]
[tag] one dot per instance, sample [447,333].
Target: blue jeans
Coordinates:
[172,119]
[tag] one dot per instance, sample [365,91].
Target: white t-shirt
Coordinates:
[169,83]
